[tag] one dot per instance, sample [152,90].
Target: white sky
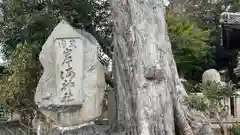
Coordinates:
[166,2]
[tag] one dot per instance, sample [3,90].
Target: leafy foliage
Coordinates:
[33,21]
[191,50]
[18,86]
[236,128]
[212,100]
[211,94]
[206,13]
[198,102]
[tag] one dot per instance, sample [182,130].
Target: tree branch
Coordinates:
[105,43]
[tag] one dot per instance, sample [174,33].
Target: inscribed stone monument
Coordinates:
[71,89]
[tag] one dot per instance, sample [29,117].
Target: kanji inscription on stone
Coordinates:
[68,75]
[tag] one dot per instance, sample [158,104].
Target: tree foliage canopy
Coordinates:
[33,21]
[190,45]
[18,86]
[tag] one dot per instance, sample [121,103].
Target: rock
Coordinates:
[214,76]
[71,89]
[211,75]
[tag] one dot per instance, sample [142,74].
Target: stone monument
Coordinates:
[212,75]
[71,89]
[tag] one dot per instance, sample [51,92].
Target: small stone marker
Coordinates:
[71,89]
[212,75]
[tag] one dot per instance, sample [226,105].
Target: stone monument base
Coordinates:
[89,129]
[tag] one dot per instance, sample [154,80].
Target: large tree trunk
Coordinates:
[149,92]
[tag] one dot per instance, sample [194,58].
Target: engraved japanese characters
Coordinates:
[66,73]
[71,88]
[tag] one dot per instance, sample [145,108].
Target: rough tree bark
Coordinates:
[149,92]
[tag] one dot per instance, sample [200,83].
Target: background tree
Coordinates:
[33,21]
[22,66]
[206,14]
[190,45]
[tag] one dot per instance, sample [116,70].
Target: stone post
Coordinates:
[112,118]
[71,89]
